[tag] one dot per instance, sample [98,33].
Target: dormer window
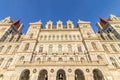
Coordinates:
[49,26]
[69,24]
[59,25]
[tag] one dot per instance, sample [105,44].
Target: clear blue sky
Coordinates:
[34,10]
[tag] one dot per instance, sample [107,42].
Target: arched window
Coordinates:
[8,49]
[49,59]
[109,37]
[114,63]
[45,38]
[38,60]
[94,46]
[79,75]
[57,37]
[113,47]
[71,59]
[16,48]
[97,75]
[41,37]
[41,49]
[61,37]
[53,37]
[70,37]
[1,60]
[11,38]
[49,38]
[49,26]
[60,59]
[119,45]
[88,34]
[65,37]
[82,59]
[26,47]
[1,76]
[21,58]
[69,48]
[119,57]
[8,63]
[78,37]
[50,48]
[74,37]
[18,38]
[59,25]
[1,48]
[31,35]
[25,75]
[61,75]
[102,37]
[70,25]
[79,49]
[100,59]
[59,48]
[43,75]
[105,48]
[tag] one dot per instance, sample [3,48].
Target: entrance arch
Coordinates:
[43,75]
[97,75]
[61,75]
[25,75]
[79,75]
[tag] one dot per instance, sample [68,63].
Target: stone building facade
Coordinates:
[60,52]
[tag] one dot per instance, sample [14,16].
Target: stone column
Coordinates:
[89,77]
[34,76]
[70,77]
[52,75]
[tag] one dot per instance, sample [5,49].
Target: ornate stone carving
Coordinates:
[34,70]
[52,70]
[69,70]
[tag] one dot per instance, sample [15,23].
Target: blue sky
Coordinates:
[44,10]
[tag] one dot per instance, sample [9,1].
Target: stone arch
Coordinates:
[25,75]
[79,75]
[97,75]
[43,75]
[61,75]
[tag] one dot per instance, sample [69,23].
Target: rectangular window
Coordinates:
[40,49]
[79,49]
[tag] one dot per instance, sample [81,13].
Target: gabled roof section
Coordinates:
[103,21]
[16,23]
